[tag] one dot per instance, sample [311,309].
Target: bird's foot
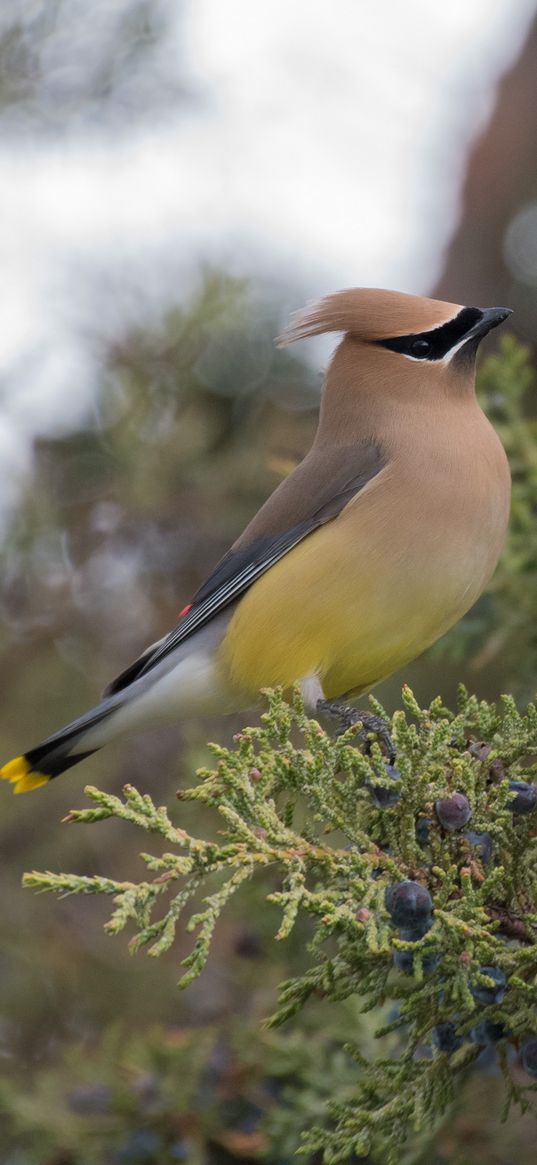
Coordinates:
[348,716]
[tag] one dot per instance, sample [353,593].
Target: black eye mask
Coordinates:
[436,344]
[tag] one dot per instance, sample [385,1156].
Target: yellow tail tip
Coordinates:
[19,773]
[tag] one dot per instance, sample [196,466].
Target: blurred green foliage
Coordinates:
[196,419]
[208,1096]
[507,385]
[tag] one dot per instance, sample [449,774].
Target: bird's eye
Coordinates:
[421,348]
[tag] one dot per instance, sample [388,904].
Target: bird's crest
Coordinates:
[369,313]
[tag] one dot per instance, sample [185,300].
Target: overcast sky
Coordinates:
[325,146]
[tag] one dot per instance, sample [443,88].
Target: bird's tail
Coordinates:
[58,753]
[184,684]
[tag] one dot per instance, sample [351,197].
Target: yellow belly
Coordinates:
[360,597]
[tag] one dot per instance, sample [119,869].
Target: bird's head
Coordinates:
[414,329]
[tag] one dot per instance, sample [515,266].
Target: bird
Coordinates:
[373,547]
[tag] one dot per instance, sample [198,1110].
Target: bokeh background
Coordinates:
[175,177]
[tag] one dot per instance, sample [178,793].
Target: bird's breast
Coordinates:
[368,592]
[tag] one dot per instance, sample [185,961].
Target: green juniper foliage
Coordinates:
[419,885]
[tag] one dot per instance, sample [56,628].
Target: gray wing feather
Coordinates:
[315,493]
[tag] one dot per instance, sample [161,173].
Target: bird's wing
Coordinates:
[315,493]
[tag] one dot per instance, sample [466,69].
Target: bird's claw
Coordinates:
[348,716]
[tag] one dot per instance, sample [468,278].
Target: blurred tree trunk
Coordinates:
[501,177]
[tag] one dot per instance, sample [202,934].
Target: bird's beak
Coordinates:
[490,318]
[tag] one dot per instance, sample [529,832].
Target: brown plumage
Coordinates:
[369,551]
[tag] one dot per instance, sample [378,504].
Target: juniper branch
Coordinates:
[336,868]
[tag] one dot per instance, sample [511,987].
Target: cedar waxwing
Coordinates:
[374,546]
